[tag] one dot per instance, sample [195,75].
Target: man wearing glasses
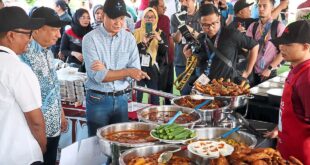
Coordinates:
[227,41]
[22,128]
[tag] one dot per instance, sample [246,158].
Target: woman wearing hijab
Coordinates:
[97,13]
[71,42]
[152,45]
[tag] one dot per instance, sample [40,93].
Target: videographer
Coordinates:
[189,16]
[217,56]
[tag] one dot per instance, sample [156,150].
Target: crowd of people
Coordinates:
[214,38]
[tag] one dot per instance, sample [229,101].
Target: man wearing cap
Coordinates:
[40,59]
[111,61]
[294,116]
[22,128]
[242,18]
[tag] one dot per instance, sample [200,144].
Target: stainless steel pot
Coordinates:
[236,101]
[164,113]
[215,132]
[148,150]
[114,148]
[210,116]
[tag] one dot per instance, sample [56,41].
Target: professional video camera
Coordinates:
[192,42]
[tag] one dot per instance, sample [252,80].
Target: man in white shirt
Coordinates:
[22,128]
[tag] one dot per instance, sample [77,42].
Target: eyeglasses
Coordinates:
[208,26]
[23,32]
[148,18]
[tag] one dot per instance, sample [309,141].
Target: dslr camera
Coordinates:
[190,40]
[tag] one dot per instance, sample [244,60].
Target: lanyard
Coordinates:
[211,55]
[263,39]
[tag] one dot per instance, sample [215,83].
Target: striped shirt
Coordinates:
[115,52]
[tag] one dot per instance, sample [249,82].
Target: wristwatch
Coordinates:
[271,68]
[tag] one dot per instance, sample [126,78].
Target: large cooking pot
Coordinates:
[114,148]
[211,117]
[235,101]
[162,114]
[148,150]
[215,132]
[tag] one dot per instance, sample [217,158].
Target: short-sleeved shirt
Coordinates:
[41,62]
[192,21]
[115,52]
[19,94]
[229,42]
[301,92]
[269,50]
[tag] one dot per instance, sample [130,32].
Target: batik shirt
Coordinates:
[41,62]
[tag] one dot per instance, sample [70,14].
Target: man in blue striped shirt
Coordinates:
[112,60]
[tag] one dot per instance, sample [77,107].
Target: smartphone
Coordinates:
[148,28]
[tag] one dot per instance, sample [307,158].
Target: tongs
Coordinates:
[246,124]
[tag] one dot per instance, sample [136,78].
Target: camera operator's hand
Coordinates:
[146,39]
[177,36]
[156,36]
[187,51]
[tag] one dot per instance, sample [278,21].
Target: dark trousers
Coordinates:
[51,150]
[152,83]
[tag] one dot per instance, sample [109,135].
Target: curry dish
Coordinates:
[152,160]
[164,117]
[192,103]
[130,136]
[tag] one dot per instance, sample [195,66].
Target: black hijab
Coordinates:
[76,26]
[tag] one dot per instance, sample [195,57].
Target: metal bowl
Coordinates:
[164,113]
[210,116]
[215,132]
[148,150]
[113,147]
[236,101]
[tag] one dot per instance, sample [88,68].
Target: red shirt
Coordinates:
[304,5]
[301,92]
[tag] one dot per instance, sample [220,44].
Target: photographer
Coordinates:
[153,47]
[219,46]
[189,16]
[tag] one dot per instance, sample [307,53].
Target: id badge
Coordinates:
[262,63]
[146,60]
[203,79]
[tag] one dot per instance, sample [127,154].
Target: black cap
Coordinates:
[296,32]
[50,16]
[241,4]
[15,17]
[115,8]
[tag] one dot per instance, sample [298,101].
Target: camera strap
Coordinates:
[184,77]
[221,56]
